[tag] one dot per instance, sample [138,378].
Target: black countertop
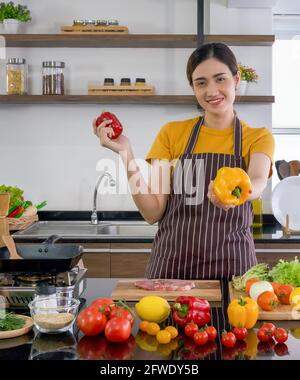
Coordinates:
[73,345]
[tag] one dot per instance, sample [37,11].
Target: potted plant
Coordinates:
[248,75]
[12,16]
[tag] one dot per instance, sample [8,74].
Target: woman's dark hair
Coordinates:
[214,50]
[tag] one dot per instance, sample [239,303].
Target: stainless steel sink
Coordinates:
[73,229]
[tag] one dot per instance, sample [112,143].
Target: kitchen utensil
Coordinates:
[4,204]
[281,313]
[208,289]
[10,244]
[41,258]
[24,330]
[285,201]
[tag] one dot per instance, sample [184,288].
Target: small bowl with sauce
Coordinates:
[54,315]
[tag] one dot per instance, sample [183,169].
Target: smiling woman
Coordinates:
[198,235]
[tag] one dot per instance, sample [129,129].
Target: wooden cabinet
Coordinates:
[129,259]
[96,259]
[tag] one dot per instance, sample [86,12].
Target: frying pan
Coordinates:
[46,257]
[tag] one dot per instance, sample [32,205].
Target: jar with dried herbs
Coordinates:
[16,76]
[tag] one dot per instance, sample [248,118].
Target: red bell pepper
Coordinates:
[188,309]
[115,125]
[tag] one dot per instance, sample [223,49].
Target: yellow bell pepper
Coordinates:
[252,342]
[243,312]
[232,186]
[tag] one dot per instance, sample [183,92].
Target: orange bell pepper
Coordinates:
[243,312]
[232,186]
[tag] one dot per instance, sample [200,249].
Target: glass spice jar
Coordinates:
[16,76]
[53,78]
[140,81]
[125,82]
[109,82]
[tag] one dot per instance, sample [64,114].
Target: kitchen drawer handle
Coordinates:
[96,250]
[277,250]
[130,250]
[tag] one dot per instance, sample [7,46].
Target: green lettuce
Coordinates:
[287,272]
[14,192]
[259,271]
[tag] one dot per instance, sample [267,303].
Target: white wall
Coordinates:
[50,151]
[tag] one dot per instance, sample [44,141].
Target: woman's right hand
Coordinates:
[105,132]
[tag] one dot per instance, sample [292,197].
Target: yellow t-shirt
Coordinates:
[173,137]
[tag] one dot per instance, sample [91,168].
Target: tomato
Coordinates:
[267,301]
[249,284]
[264,334]
[120,351]
[240,332]
[173,331]
[153,328]
[91,321]
[275,286]
[281,335]
[92,347]
[212,333]
[283,293]
[270,327]
[163,336]
[241,346]
[103,304]
[119,311]
[228,339]
[117,329]
[200,338]
[281,349]
[190,329]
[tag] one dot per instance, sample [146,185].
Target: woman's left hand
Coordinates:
[215,200]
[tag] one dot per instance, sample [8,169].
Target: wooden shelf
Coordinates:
[130,40]
[113,99]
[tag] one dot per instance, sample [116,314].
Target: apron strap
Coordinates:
[190,146]
[238,144]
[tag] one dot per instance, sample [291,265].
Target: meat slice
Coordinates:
[165,284]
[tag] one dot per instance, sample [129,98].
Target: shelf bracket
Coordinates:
[200,22]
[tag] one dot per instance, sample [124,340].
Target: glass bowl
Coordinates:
[53,314]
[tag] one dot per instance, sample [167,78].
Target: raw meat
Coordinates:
[165,284]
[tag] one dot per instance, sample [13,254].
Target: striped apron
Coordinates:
[195,239]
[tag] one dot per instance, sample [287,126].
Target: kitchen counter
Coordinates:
[75,227]
[73,345]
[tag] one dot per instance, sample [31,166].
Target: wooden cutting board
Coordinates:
[24,330]
[281,313]
[208,289]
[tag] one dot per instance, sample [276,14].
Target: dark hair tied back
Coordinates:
[216,50]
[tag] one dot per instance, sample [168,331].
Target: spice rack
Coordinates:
[140,90]
[95,29]
[286,229]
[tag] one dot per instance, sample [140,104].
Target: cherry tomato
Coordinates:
[190,329]
[283,293]
[200,338]
[240,332]
[281,349]
[264,334]
[143,325]
[275,286]
[103,304]
[229,353]
[92,347]
[241,346]
[281,335]
[91,321]
[270,327]
[122,350]
[202,351]
[212,333]
[117,329]
[118,311]
[228,339]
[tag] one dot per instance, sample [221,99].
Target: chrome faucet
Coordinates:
[112,182]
